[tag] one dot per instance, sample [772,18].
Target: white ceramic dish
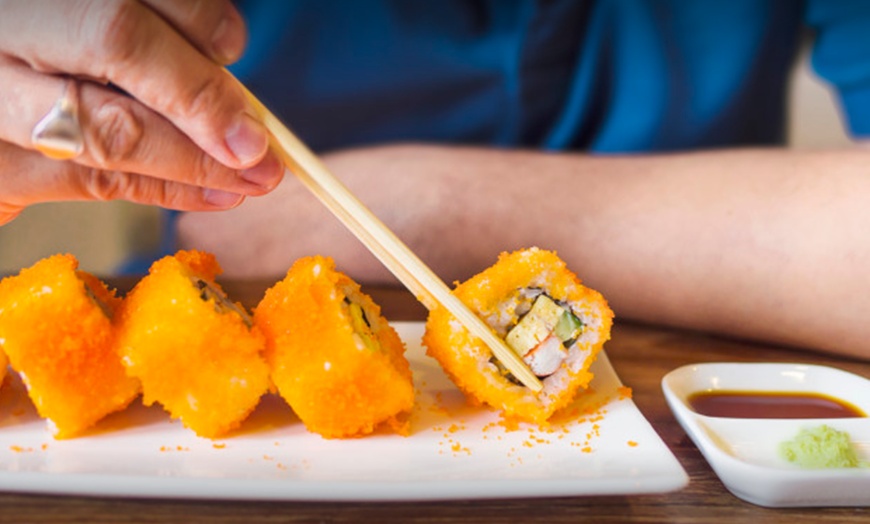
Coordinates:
[744,452]
[454,452]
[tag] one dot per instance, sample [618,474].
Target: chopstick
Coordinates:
[383,243]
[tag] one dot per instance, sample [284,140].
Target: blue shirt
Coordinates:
[605,75]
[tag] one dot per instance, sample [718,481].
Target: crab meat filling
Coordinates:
[543,334]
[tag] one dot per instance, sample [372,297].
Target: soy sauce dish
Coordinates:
[740,414]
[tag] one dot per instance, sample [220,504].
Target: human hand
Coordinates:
[181,135]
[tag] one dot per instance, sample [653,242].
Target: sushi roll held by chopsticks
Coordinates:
[544,314]
[334,358]
[56,328]
[196,352]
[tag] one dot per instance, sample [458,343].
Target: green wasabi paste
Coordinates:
[821,447]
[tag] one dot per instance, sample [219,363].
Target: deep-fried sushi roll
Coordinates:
[543,312]
[196,352]
[334,358]
[56,329]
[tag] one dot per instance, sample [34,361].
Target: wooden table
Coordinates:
[641,355]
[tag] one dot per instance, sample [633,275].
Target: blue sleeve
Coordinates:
[841,55]
[138,264]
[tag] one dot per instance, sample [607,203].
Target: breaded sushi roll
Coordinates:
[56,329]
[334,358]
[543,312]
[196,352]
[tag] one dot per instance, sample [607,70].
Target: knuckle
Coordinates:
[203,97]
[102,184]
[118,30]
[116,133]
[205,169]
[194,12]
[156,192]
[171,196]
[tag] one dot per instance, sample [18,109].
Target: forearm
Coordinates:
[769,245]
[761,244]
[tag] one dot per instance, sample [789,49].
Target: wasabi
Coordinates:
[821,447]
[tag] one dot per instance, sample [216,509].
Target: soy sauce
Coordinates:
[771,404]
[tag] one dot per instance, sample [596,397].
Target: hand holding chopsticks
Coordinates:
[383,243]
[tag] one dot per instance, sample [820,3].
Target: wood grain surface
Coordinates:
[641,356]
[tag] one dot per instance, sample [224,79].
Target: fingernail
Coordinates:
[266,174]
[228,39]
[247,139]
[222,199]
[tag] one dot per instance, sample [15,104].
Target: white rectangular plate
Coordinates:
[454,451]
[744,453]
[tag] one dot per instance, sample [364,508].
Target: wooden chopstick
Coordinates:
[383,243]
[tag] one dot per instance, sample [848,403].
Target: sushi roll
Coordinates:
[56,328]
[544,313]
[334,358]
[196,352]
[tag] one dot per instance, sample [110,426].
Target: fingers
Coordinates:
[183,139]
[124,136]
[28,178]
[214,27]
[142,51]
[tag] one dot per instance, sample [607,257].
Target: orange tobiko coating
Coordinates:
[194,351]
[56,329]
[343,376]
